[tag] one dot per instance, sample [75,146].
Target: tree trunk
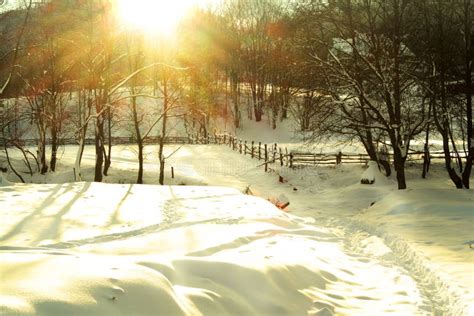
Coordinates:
[259,104]
[399,163]
[54,148]
[235,91]
[161,179]
[386,166]
[399,159]
[468,80]
[401,181]
[255,102]
[108,155]
[274,106]
[42,153]
[443,126]
[426,157]
[77,163]
[5,147]
[99,149]
[470,154]
[285,103]
[382,162]
[136,123]
[447,160]
[140,161]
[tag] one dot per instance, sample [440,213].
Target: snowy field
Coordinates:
[201,246]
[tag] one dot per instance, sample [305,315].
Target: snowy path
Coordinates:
[335,210]
[211,250]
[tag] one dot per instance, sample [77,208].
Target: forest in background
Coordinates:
[374,71]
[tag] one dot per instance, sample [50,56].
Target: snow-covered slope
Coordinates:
[97,249]
[353,249]
[436,226]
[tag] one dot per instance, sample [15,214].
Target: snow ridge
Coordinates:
[442,298]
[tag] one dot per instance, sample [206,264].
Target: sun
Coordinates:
[154,16]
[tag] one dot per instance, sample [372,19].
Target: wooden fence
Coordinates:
[274,153]
[267,153]
[124,140]
[115,141]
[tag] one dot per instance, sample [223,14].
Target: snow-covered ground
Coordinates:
[181,250]
[342,248]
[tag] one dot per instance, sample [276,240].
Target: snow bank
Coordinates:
[97,249]
[407,254]
[437,227]
[371,174]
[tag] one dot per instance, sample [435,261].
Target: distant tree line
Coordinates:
[380,72]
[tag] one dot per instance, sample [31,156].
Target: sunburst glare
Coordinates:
[154,17]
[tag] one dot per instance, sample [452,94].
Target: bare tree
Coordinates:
[250,20]
[370,73]
[166,78]
[444,41]
[16,50]
[82,117]
[97,61]
[12,130]
[466,15]
[8,60]
[46,73]
[143,120]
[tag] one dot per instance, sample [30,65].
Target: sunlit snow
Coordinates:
[96,248]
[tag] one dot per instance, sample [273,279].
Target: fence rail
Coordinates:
[115,141]
[274,153]
[122,140]
[268,153]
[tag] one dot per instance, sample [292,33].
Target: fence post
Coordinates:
[252,149]
[339,158]
[240,146]
[259,150]
[287,157]
[266,158]
[291,160]
[172,172]
[245,148]
[233,142]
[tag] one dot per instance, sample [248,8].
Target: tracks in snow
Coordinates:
[439,298]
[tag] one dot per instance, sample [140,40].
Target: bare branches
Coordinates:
[17,47]
[122,82]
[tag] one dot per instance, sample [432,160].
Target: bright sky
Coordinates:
[149,16]
[156,16]
[5,4]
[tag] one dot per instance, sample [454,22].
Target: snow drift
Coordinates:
[95,249]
